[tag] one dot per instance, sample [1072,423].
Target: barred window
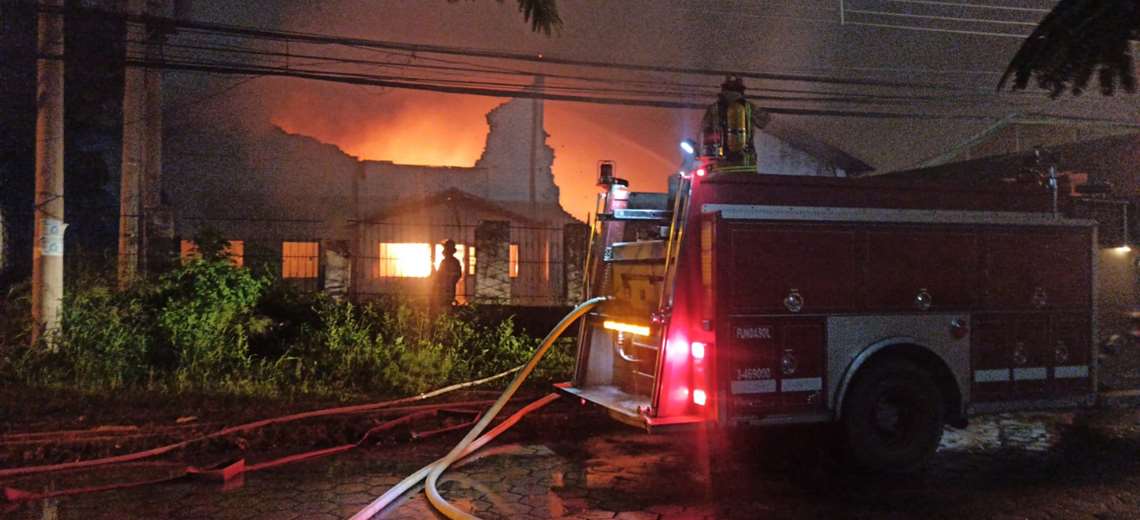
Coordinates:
[188,250]
[299,259]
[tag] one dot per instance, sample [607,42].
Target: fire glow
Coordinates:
[397,126]
[428,129]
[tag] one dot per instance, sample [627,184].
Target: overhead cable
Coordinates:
[312,38]
[971,6]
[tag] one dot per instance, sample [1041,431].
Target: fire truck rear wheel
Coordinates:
[892,417]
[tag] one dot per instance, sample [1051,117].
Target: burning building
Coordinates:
[363,228]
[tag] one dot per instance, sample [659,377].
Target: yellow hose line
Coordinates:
[443,506]
[469,443]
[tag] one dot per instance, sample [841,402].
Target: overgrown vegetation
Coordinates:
[208,326]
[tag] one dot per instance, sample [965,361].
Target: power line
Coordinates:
[937,30]
[971,6]
[858,98]
[939,18]
[534,94]
[313,38]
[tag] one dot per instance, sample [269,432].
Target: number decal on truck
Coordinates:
[753,373]
[754,332]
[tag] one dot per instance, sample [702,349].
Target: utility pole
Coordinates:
[47,255]
[134,157]
[145,228]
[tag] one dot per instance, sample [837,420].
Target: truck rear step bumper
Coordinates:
[627,408]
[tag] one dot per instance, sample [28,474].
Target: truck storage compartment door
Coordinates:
[1031,353]
[990,361]
[1037,270]
[1071,355]
[772,366]
[767,262]
[904,263]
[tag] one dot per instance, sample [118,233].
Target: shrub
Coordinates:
[208,326]
[205,319]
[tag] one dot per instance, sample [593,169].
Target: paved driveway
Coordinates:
[567,463]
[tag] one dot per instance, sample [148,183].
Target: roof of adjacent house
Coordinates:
[815,146]
[954,153]
[1108,157]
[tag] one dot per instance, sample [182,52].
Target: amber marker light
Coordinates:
[640,330]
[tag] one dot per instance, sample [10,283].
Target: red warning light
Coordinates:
[698,350]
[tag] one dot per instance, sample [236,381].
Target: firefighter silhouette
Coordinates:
[445,277]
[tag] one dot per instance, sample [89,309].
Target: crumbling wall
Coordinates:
[516,145]
[258,185]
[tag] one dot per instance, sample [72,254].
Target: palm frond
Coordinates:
[542,14]
[1075,41]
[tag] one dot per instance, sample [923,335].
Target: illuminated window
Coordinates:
[299,259]
[460,254]
[514,261]
[188,250]
[471,260]
[237,252]
[404,260]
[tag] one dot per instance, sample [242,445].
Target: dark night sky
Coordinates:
[763,35]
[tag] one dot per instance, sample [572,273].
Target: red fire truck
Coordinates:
[890,307]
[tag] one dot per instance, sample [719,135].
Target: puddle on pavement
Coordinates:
[1025,432]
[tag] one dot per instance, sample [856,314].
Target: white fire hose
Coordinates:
[472,441]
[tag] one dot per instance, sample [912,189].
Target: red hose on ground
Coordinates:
[226,471]
[340,410]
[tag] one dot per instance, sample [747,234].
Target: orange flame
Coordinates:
[423,128]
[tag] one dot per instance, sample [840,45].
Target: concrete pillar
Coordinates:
[575,243]
[134,153]
[492,264]
[336,267]
[5,245]
[47,255]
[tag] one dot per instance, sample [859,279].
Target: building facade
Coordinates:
[365,229]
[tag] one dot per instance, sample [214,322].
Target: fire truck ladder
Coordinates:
[623,378]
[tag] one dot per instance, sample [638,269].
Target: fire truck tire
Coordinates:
[892,417]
